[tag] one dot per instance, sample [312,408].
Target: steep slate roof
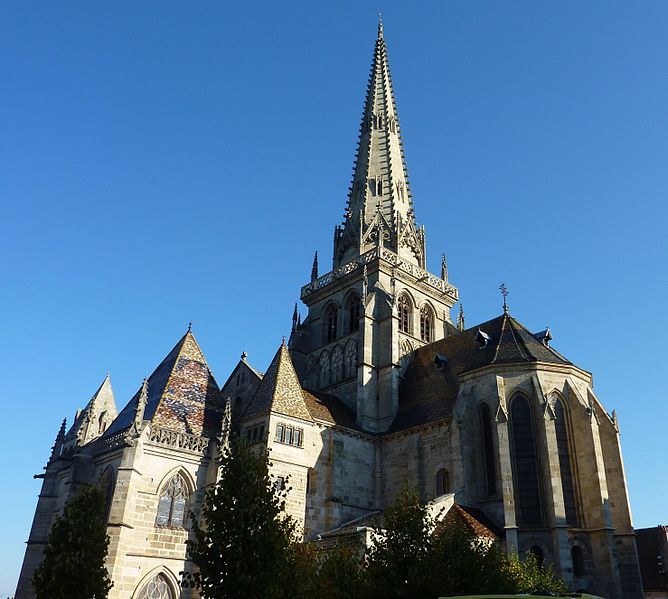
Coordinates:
[470,518]
[280,390]
[428,393]
[182,394]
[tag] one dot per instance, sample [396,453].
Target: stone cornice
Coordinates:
[405,271]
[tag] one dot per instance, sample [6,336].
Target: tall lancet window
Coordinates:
[488,449]
[353,313]
[404,313]
[379,185]
[426,324]
[329,323]
[563,447]
[525,462]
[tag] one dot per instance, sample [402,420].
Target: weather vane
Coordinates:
[504,293]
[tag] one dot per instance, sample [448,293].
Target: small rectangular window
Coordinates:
[298,437]
[280,433]
[288,435]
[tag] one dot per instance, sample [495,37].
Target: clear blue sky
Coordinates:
[162,162]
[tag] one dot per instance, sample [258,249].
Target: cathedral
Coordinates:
[376,387]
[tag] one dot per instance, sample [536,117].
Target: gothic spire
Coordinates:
[314,268]
[444,268]
[460,318]
[380,206]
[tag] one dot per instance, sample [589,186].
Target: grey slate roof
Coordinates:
[428,393]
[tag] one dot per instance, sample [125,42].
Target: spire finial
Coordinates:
[244,355]
[460,317]
[380,26]
[504,293]
[314,268]
[295,318]
[283,342]
[190,326]
[444,268]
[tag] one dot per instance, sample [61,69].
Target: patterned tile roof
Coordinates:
[182,394]
[280,390]
[428,391]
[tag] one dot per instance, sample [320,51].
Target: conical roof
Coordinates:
[380,207]
[181,394]
[280,390]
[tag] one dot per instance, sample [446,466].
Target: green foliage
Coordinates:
[399,562]
[243,543]
[529,577]
[73,565]
[412,558]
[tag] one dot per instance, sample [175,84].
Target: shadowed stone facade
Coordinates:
[377,387]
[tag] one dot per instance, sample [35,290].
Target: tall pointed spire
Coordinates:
[380,207]
[314,268]
[460,318]
[295,318]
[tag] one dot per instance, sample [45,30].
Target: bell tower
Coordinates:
[378,303]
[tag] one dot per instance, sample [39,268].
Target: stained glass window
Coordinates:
[525,462]
[172,503]
[157,588]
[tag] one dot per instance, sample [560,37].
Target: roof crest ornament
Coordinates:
[380,26]
[504,293]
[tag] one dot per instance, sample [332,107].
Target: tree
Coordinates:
[413,558]
[242,545]
[74,556]
[398,562]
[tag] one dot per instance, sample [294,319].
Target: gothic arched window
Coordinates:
[426,324]
[537,552]
[488,449]
[157,588]
[337,364]
[311,373]
[404,313]
[563,448]
[525,462]
[107,487]
[350,360]
[353,313]
[172,504]
[329,323]
[442,482]
[323,368]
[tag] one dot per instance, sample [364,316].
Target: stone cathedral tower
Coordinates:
[376,388]
[360,314]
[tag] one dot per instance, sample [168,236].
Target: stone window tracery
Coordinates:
[404,311]
[350,360]
[337,364]
[426,324]
[324,370]
[172,503]
[157,588]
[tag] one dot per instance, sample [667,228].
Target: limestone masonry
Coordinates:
[375,387]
